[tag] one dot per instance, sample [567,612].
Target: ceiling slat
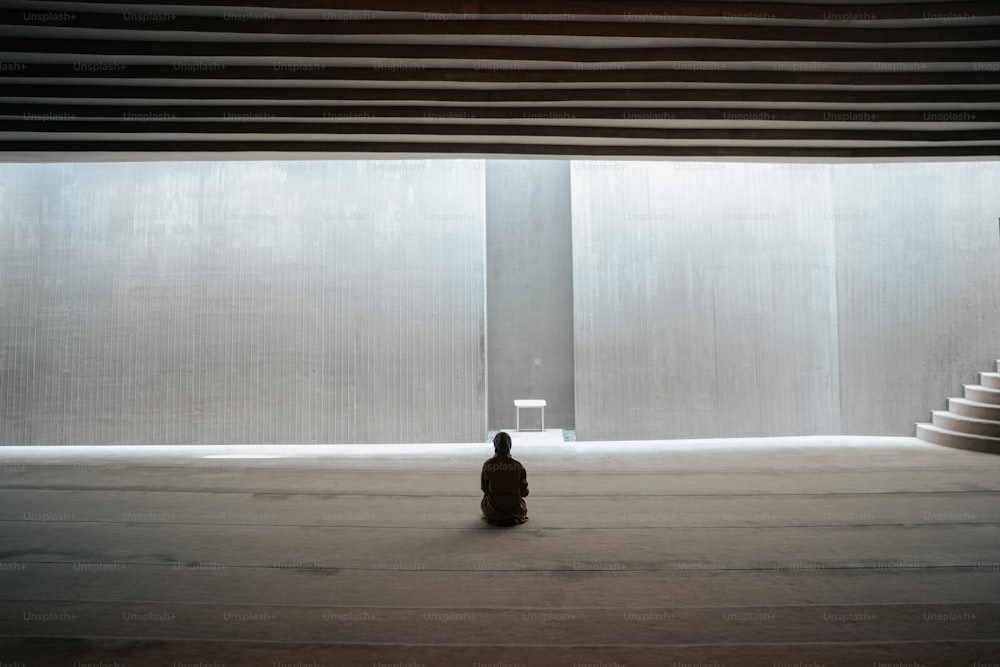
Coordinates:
[176,93]
[180,72]
[550,10]
[406,56]
[145,22]
[245,148]
[242,112]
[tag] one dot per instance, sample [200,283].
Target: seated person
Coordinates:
[505,484]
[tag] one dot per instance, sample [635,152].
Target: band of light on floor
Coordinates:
[525,446]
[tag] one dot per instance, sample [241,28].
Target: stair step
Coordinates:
[991,380]
[967,408]
[981,394]
[962,424]
[941,436]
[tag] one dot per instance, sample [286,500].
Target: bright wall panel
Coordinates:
[918,250]
[242,302]
[705,300]
[780,299]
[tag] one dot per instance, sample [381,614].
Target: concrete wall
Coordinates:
[705,301]
[753,300]
[529,291]
[918,283]
[242,302]
[344,301]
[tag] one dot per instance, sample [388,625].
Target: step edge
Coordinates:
[977,420]
[978,387]
[945,431]
[970,402]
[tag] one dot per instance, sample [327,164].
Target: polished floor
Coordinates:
[772,552]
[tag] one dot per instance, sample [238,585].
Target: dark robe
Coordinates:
[504,483]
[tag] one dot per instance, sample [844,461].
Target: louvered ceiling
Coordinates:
[734,80]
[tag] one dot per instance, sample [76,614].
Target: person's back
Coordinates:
[504,483]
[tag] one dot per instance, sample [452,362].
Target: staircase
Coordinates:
[972,422]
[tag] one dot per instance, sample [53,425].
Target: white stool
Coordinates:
[529,403]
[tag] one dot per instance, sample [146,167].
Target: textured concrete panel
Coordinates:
[248,302]
[919,287]
[705,303]
[529,291]
[725,300]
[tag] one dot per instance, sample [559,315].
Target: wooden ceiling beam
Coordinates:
[404,56]
[628,10]
[107,19]
[54,112]
[243,130]
[465,149]
[123,76]
[197,94]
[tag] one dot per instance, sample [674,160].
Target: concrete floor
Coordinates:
[779,552]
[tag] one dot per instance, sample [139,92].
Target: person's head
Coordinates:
[501,443]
